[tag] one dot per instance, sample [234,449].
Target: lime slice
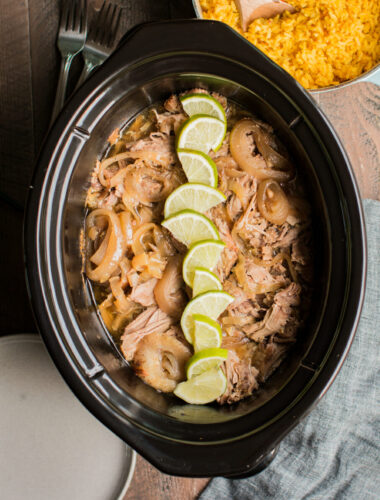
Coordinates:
[194,196]
[198,167]
[204,280]
[207,333]
[189,227]
[202,254]
[203,104]
[202,133]
[202,389]
[210,304]
[205,360]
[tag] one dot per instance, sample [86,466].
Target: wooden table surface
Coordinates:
[29,64]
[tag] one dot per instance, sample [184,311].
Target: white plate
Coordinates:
[51,447]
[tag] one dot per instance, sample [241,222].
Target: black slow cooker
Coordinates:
[153,61]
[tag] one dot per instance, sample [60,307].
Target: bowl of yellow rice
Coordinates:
[325,44]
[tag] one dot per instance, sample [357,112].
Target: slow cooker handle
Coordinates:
[263,464]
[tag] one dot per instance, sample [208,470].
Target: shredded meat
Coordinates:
[257,274]
[278,315]
[168,123]
[173,104]
[152,320]
[240,374]
[287,235]
[156,141]
[288,297]
[274,321]
[143,293]
[230,253]
[266,264]
[108,201]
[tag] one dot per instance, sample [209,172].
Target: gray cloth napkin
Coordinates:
[335,452]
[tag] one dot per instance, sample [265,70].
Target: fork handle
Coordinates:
[62,85]
[87,68]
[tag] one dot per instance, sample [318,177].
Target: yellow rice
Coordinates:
[326,42]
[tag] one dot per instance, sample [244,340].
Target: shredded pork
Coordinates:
[266,267]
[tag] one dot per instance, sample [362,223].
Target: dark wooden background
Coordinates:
[29,63]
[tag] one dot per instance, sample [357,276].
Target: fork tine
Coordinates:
[117,23]
[100,17]
[64,14]
[83,20]
[70,22]
[105,24]
[114,26]
[94,25]
[77,15]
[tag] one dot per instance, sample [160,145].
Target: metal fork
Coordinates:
[71,37]
[101,40]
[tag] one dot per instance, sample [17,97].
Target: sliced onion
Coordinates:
[146,185]
[156,265]
[168,292]
[104,309]
[154,156]
[143,154]
[124,318]
[115,246]
[140,261]
[138,243]
[162,242]
[152,264]
[126,226]
[272,202]
[268,164]
[125,267]
[142,215]
[93,233]
[122,303]
[118,177]
[133,277]
[98,256]
[241,193]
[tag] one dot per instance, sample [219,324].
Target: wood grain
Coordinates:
[149,483]
[44,56]
[17,156]
[354,112]
[16,121]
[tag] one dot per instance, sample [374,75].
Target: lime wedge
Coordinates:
[202,133]
[202,254]
[207,333]
[194,196]
[189,227]
[205,360]
[202,389]
[202,104]
[198,167]
[210,304]
[204,280]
